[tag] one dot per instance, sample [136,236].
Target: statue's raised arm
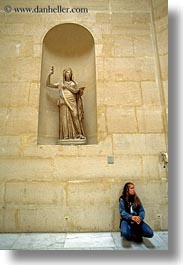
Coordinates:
[48,81]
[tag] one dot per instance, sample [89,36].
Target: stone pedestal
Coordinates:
[71,142]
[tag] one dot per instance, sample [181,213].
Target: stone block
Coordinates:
[156,204]
[153,168]
[158,189]
[1,193]
[36,193]
[160,9]
[162,41]
[101,123]
[26,70]
[1,221]
[129,69]
[91,5]
[34,93]
[103,17]
[148,144]
[165,90]
[130,30]
[98,49]
[99,69]
[141,18]
[21,18]
[157,3]
[13,46]
[163,66]
[102,148]
[143,46]
[90,218]
[81,168]
[37,50]
[130,24]
[11,220]
[126,46]
[33,29]
[96,167]
[26,169]
[161,24]
[108,44]
[119,93]
[150,120]
[150,94]
[43,219]
[122,46]
[116,218]
[129,167]
[3,118]
[131,5]
[9,146]
[31,149]
[121,120]
[14,94]
[151,215]
[98,30]
[121,19]
[21,121]
[85,193]
[9,29]
[164,216]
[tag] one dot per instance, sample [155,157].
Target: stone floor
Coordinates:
[80,241]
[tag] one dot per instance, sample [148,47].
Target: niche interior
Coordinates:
[67,45]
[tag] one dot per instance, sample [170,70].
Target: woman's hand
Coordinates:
[136,219]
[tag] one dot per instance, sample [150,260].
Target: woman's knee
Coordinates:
[147,231]
[125,234]
[150,233]
[125,231]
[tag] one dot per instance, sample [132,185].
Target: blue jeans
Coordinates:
[128,229]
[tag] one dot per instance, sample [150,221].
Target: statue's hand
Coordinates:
[52,70]
[81,90]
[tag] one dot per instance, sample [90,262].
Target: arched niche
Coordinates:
[67,45]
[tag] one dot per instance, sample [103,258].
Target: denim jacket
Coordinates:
[125,211]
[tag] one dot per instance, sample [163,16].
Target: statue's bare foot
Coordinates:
[80,137]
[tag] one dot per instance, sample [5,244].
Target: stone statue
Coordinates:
[71,113]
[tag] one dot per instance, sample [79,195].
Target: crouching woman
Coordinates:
[132,214]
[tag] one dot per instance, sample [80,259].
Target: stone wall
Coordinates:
[75,188]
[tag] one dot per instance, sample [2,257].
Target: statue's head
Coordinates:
[67,74]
